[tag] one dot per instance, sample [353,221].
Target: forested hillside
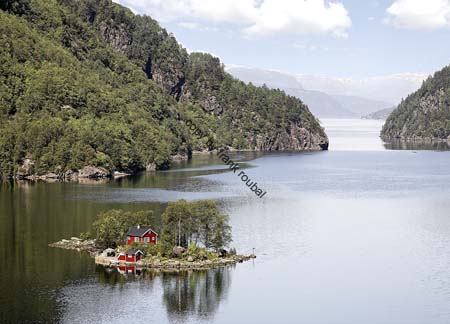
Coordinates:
[425,114]
[86,82]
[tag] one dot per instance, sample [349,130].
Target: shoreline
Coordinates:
[416,139]
[155,263]
[92,174]
[150,262]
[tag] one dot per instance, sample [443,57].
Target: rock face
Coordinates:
[140,39]
[92,172]
[26,167]
[296,138]
[116,34]
[425,114]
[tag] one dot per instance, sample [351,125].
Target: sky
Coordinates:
[343,38]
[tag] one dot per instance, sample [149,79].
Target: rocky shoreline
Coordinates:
[176,264]
[77,244]
[151,262]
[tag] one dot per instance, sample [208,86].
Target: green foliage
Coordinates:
[198,253]
[111,227]
[425,113]
[87,82]
[85,236]
[66,112]
[195,222]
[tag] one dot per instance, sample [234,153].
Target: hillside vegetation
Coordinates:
[425,114]
[86,82]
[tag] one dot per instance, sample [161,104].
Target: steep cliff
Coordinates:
[425,114]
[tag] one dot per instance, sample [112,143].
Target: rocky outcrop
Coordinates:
[179,158]
[77,244]
[210,104]
[178,251]
[26,168]
[296,139]
[116,34]
[150,166]
[432,102]
[92,172]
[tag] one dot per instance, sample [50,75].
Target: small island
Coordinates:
[193,235]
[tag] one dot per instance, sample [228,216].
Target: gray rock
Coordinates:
[25,167]
[178,251]
[93,172]
[70,175]
[178,157]
[151,167]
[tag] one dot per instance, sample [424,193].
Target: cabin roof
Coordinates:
[139,231]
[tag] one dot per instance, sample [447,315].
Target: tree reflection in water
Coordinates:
[398,144]
[186,294]
[195,293]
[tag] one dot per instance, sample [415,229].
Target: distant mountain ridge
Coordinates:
[321,104]
[382,114]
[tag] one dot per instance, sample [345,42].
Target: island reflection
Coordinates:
[186,294]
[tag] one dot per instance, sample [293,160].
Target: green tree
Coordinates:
[111,227]
[195,222]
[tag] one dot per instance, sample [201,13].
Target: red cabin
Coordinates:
[140,234]
[131,255]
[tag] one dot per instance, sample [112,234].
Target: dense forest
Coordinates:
[425,114]
[88,83]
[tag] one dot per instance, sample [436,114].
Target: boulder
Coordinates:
[150,167]
[179,158]
[223,253]
[70,175]
[49,175]
[190,259]
[92,172]
[178,251]
[25,167]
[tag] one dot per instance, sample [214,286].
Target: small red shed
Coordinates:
[131,255]
[140,234]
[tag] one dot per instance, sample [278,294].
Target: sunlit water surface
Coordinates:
[358,234]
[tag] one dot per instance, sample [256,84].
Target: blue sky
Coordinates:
[346,38]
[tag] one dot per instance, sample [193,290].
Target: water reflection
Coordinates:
[186,294]
[398,144]
[195,293]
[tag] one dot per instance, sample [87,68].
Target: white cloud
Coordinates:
[188,25]
[419,14]
[300,17]
[256,18]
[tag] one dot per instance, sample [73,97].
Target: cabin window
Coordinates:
[153,238]
[136,239]
[146,239]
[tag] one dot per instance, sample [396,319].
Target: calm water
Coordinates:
[358,234]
